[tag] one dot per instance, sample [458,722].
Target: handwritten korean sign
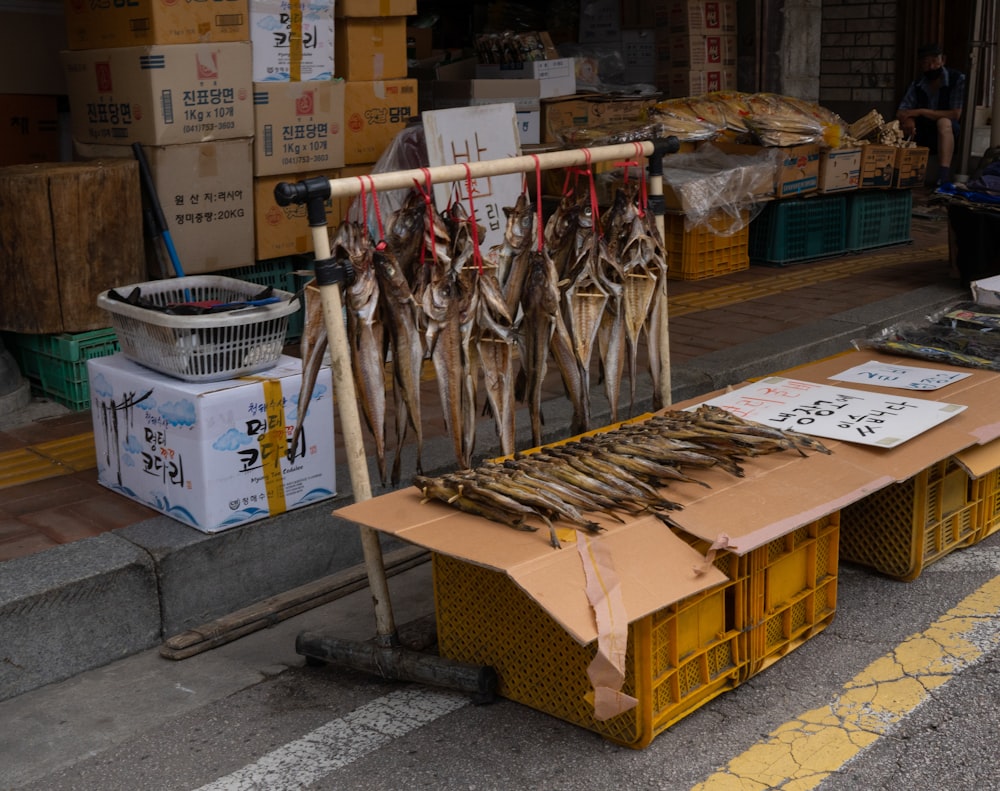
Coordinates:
[836,413]
[463,136]
[904,377]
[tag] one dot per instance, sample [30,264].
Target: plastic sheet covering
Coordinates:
[964,334]
[407,151]
[709,180]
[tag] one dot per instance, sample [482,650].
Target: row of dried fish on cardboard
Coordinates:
[559,289]
[618,472]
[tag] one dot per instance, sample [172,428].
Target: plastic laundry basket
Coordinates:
[201,348]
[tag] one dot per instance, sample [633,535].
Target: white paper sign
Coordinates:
[463,135]
[901,376]
[834,412]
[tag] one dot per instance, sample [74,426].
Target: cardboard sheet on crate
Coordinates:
[655,567]
[779,494]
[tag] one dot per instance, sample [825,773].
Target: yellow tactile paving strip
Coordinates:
[47,460]
[74,454]
[796,277]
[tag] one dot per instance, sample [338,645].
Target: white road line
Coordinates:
[341,742]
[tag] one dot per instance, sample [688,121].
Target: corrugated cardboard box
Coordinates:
[371,48]
[878,166]
[839,169]
[292,41]
[96,25]
[298,126]
[677,83]
[206,190]
[911,167]
[351,8]
[583,111]
[212,455]
[557,77]
[29,129]
[696,17]
[702,52]
[798,170]
[523,94]
[375,112]
[184,93]
[284,230]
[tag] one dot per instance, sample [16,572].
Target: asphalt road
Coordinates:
[899,691]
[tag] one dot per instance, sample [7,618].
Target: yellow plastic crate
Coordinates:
[987,490]
[792,590]
[678,658]
[785,591]
[700,253]
[903,528]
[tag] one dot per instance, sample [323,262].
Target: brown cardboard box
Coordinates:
[702,52]
[298,126]
[677,83]
[839,169]
[587,110]
[33,42]
[162,95]
[351,8]
[878,166]
[798,170]
[29,129]
[696,17]
[284,230]
[375,112]
[206,190]
[796,167]
[370,48]
[911,167]
[145,22]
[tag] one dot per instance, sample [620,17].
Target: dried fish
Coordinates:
[400,318]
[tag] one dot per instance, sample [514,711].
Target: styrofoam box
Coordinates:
[212,455]
[986,291]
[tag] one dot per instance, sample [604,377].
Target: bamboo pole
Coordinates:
[350,426]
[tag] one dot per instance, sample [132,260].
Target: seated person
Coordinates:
[932,106]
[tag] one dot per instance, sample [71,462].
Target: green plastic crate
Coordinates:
[799,229]
[56,365]
[878,218]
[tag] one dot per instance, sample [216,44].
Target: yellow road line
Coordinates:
[803,752]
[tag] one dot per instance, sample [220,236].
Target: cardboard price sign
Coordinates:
[832,412]
[905,377]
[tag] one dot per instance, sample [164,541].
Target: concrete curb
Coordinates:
[85,604]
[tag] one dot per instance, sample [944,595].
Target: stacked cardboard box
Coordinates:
[695,46]
[175,79]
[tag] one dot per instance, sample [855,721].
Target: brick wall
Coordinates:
[858,58]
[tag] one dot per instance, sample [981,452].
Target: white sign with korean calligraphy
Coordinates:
[902,376]
[462,136]
[834,412]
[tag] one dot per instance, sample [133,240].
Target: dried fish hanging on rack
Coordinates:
[564,288]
